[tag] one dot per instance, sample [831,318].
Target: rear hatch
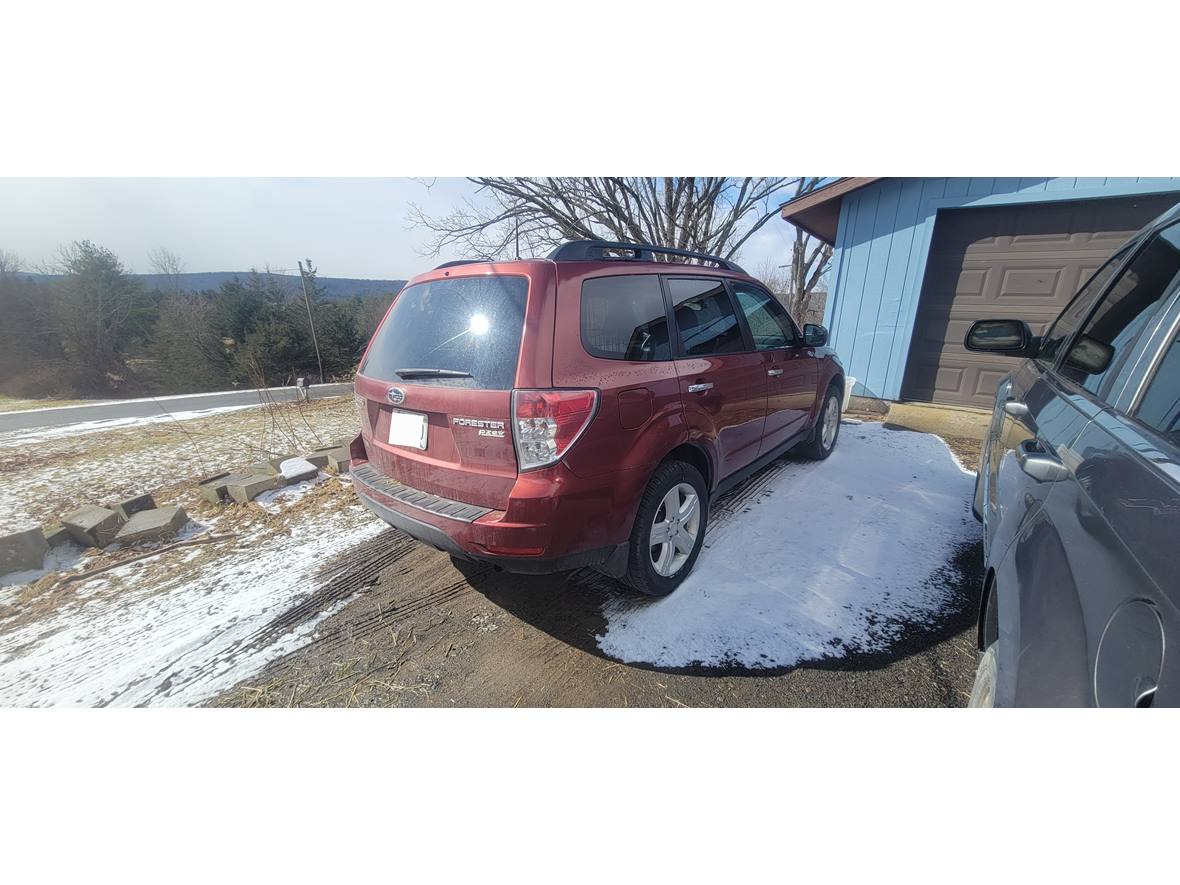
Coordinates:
[435,387]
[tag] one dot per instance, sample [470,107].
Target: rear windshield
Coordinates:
[463,332]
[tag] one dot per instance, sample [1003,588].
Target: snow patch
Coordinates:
[138,636]
[832,559]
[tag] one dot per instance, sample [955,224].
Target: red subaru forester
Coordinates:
[581,410]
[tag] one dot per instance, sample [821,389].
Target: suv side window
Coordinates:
[768,321]
[624,318]
[1107,338]
[705,317]
[1075,312]
[1160,406]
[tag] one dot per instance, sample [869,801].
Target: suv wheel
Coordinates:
[669,529]
[826,430]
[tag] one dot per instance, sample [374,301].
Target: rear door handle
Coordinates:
[1039,464]
[774,373]
[700,387]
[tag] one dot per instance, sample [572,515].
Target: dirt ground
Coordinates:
[427,631]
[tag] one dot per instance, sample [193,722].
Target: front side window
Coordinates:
[1073,315]
[1160,406]
[1106,340]
[769,324]
[460,332]
[705,317]
[623,318]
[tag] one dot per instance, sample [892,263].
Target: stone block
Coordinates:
[22,551]
[131,506]
[319,458]
[260,468]
[248,488]
[160,524]
[93,526]
[295,470]
[213,488]
[276,464]
[339,460]
[56,535]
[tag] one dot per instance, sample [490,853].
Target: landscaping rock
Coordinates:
[153,525]
[248,488]
[319,458]
[55,535]
[339,459]
[93,526]
[295,470]
[213,488]
[22,551]
[277,463]
[131,506]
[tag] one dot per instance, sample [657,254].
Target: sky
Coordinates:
[350,227]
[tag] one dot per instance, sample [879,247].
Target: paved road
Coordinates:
[62,416]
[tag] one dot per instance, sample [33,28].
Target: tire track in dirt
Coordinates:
[351,572]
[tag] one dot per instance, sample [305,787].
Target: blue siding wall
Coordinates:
[880,258]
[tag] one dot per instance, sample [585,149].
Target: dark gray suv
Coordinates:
[1079,493]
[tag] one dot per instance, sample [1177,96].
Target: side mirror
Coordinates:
[1002,337]
[814,336]
[1089,355]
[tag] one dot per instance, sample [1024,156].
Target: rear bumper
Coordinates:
[581,527]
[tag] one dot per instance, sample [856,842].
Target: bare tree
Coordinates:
[799,283]
[169,265]
[10,262]
[531,215]
[809,260]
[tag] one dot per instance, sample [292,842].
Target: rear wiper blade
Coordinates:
[406,374]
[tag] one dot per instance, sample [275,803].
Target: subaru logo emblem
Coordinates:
[396,395]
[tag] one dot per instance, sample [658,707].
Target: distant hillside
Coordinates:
[331,287]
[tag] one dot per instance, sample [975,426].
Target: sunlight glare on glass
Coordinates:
[479,324]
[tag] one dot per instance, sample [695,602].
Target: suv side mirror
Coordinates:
[1002,337]
[814,336]
[1089,355]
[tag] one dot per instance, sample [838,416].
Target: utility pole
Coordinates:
[303,275]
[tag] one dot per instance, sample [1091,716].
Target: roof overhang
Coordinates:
[818,212]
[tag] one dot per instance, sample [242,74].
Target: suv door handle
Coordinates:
[1015,408]
[1042,466]
[773,373]
[700,387]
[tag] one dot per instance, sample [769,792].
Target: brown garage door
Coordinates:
[1023,262]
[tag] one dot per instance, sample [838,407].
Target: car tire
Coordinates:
[823,442]
[983,692]
[656,569]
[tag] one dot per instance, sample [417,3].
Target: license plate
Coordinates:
[407,429]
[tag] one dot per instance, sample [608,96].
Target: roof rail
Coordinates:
[595,250]
[463,261]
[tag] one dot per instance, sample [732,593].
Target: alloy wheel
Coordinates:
[831,423]
[674,529]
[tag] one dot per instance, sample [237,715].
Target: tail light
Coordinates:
[546,423]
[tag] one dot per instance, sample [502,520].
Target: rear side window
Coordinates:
[624,318]
[1076,311]
[462,332]
[768,321]
[1160,406]
[1107,338]
[705,317]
